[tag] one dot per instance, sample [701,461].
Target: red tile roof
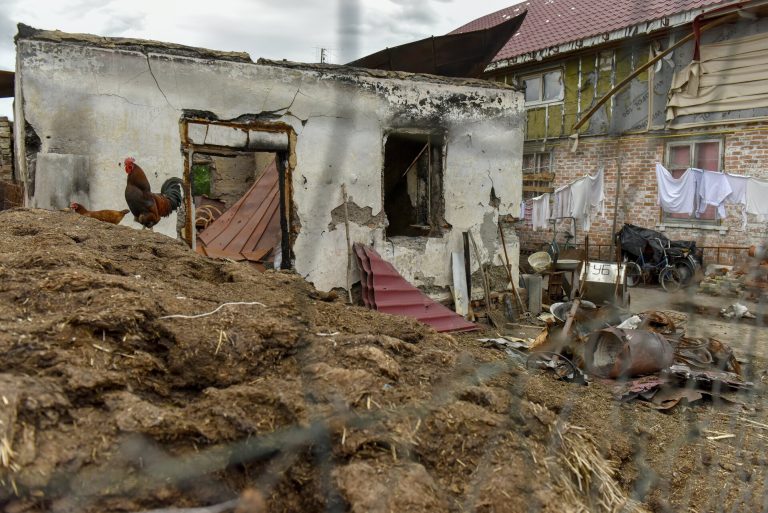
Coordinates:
[554,22]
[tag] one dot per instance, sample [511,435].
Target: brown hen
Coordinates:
[108,216]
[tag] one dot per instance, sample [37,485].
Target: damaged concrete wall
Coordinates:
[114,102]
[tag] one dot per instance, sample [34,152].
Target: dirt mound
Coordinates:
[119,394]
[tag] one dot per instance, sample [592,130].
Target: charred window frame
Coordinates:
[701,153]
[538,174]
[543,88]
[412,181]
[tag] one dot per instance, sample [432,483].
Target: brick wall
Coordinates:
[6,150]
[745,152]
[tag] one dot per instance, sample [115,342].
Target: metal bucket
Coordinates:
[616,353]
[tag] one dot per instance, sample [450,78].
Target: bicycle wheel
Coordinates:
[686,270]
[634,274]
[670,279]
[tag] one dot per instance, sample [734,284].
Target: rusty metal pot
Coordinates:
[617,353]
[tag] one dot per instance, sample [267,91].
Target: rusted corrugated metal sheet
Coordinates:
[251,228]
[463,55]
[387,291]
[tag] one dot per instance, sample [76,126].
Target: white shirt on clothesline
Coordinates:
[713,188]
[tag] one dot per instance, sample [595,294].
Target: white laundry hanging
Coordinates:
[676,195]
[562,206]
[738,183]
[738,195]
[757,192]
[580,201]
[577,199]
[713,188]
[540,212]
[597,193]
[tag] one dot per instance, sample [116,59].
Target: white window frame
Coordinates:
[540,75]
[667,219]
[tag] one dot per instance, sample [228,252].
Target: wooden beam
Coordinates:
[537,188]
[621,85]
[539,177]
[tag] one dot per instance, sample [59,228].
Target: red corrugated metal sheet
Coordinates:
[555,22]
[251,228]
[387,291]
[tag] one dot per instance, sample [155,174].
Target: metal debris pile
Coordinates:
[648,356]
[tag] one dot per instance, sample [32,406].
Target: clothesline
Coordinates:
[576,200]
[696,189]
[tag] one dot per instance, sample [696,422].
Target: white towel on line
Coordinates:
[757,193]
[676,195]
[540,212]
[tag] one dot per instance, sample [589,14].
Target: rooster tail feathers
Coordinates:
[171,189]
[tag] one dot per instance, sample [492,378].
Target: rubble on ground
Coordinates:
[746,279]
[723,281]
[138,375]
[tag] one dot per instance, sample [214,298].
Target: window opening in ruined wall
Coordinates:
[413,184]
[704,154]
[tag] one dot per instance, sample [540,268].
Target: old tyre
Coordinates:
[670,279]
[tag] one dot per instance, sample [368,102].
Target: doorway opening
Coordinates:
[238,177]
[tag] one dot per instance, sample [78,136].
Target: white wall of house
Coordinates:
[91,104]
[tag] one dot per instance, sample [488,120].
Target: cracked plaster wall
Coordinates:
[104,104]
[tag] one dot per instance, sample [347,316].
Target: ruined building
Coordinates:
[265,147]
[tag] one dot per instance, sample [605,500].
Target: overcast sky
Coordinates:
[276,29]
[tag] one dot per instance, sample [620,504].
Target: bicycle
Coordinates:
[670,278]
[552,247]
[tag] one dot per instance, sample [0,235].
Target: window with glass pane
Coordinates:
[544,87]
[553,86]
[693,154]
[708,156]
[532,89]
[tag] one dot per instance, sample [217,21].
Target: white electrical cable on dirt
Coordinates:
[181,316]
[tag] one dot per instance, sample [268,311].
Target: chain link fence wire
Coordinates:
[307,404]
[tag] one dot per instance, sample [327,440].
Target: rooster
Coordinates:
[146,206]
[108,216]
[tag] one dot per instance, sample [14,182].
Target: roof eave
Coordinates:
[639,29]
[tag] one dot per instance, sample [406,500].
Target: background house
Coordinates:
[423,158]
[568,54]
